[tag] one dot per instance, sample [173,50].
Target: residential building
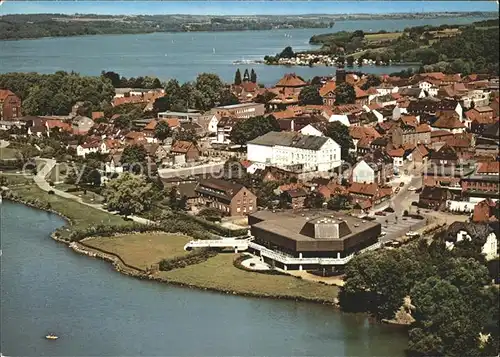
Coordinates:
[241,111]
[327,92]
[287,149]
[191,115]
[445,156]
[10,105]
[81,124]
[486,211]
[479,117]
[449,121]
[414,134]
[231,198]
[224,127]
[461,231]
[484,182]
[433,197]
[209,122]
[362,172]
[189,151]
[367,195]
[310,240]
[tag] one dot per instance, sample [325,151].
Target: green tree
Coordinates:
[162,130]
[246,76]
[253,76]
[314,200]
[228,98]
[338,202]
[371,81]
[340,134]
[251,128]
[237,77]
[310,96]
[134,158]
[186,135]
[211,87]
[265,98]
[345,94]
[128,194]
[287,53]
[113,77]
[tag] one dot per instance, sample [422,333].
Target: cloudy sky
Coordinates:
[239,7]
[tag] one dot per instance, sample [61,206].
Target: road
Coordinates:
[394,224]
[41,182]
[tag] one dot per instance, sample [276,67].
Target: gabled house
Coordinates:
[10,105]
[448,121]
[230,198]
[186,149]
[445,156]
[327,92]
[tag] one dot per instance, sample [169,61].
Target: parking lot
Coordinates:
[396,229]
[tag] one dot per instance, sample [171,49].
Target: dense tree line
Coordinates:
[147,82]
[55,94]
[58,25]
[206,92]
[470,48]
[452,302]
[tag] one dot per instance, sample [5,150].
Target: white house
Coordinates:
[87,148]
[287,149]
[341,118]
[113,165]
[431,89]
[490,247]
[363,173]
[211,123]
[309,129]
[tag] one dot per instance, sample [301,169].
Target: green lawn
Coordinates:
[81,215]
[142,250]
[219,273]
[382,36]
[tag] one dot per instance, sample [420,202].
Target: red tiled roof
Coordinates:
[182,146]
[409,120]
[359,132]
[423,128]
[290,80]
[327,88]
[435,75]
[396,152]
[371,90]
[369,189]
[151,125]
[97,115]
[4,93]
[448,121]
[360,93]
[54,123]
[491,167]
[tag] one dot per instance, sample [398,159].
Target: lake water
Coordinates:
[46,287]
[184,55]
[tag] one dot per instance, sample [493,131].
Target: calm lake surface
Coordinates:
[46,287]
[184,55]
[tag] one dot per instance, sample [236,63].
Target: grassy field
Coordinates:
[8,153]
[82,216]
[142,250]
[382,36]
[219,273]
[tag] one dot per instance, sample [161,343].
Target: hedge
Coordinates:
[195,257]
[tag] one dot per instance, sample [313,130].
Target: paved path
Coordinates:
[41,182]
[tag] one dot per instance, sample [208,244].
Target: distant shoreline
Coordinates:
[91,22]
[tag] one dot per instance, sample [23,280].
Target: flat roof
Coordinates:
[241,105]
[290,224]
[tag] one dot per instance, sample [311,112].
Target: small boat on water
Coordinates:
[51,337]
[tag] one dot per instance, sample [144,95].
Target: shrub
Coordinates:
[51,192]
[405,213]
[194,257]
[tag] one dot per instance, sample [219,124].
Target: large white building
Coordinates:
[292,149]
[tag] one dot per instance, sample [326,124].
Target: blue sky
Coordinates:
[116,7]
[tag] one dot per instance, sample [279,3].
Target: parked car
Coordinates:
[382,234]
[397,190]
[412,188]
[412,234]
[380,213]
[401,184]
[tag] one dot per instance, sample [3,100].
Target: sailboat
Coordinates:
[213,50]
